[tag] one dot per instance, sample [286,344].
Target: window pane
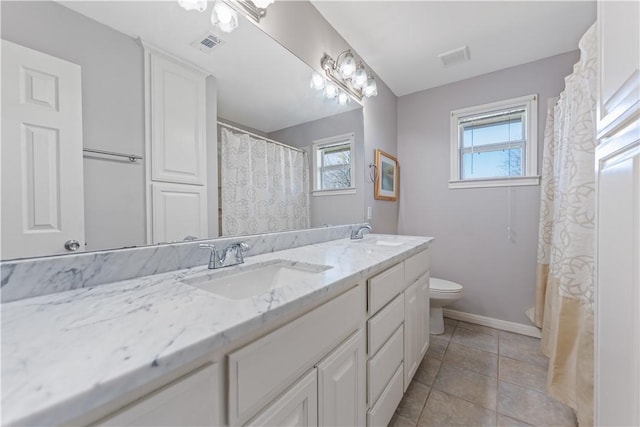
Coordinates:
[492,133]
[336,178]
[340,156]
[492,164]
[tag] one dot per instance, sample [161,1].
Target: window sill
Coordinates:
[495,182]
[333,192]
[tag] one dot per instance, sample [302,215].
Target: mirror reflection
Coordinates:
[116,134]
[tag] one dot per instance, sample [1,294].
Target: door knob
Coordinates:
[72,245]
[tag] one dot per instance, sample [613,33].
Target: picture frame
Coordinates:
[386,183]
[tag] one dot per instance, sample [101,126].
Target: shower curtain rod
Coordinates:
[259,136]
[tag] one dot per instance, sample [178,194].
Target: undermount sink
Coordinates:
[247,281]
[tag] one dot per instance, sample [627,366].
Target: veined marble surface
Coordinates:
[27,278]
[67,353]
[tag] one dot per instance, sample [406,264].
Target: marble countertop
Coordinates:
[67,353]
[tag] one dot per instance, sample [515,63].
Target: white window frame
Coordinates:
[530,175]
[328,142]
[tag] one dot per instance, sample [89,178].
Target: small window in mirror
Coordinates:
[333,160]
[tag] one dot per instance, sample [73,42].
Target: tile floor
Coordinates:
[478,376]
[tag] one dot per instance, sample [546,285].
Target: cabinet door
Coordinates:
[178,152]
[298,406]
[179,212]
[424,315]
[342,383]
[189,401]
[412,329]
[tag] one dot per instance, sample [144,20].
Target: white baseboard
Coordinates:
[503,325]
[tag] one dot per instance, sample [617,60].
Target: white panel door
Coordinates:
[298,406]
[342,384]
[412,329]
[42,187]
[178,150]
[617,311]
[179,212]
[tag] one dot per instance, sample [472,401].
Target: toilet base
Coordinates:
[436,321]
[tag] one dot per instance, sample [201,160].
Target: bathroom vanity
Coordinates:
[337,347]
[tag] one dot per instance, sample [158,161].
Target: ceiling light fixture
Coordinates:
[346,76]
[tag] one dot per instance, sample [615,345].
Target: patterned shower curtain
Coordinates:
[265,186]
[566,243]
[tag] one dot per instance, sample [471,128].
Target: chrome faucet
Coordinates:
[223,258]
[356,233]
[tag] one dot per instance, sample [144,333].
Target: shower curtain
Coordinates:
[265,186]
[566,242]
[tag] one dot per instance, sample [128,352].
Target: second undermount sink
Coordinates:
[247,281]
[380,241]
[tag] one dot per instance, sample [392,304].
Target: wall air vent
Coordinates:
[207,42]
[455,56]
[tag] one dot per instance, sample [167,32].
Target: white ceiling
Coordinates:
[260,83]
[401,40]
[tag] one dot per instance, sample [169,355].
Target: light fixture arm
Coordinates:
[247,8]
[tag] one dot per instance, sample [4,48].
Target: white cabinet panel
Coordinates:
[42,188]
[178,146]
[381,326]
[416,266]
[425,303]
[380,414]
[297,407]
[381,368]
[342,384]
[179,211]
[412,331]
[385,286]
[189,401]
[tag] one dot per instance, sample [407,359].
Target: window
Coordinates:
[333,160]
[495,144]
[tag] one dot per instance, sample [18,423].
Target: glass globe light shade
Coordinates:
[330,91]
[262,4]
[317,81]
[359,78]
[199,5]
[371,89]
[343,98]
[347,66]
[225,18]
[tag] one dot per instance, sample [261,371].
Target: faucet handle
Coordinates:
[244,246]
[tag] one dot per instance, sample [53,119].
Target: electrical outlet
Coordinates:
[369,213]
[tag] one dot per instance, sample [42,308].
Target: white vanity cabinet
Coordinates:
[189,401]
[397,333]
[267,368]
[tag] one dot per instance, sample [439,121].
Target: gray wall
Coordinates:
[470,225]
[337,209]
[112,111]
[299,27]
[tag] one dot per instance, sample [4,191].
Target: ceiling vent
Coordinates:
[455,56]
[207,42]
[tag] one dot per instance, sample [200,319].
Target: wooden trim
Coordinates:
[503,325]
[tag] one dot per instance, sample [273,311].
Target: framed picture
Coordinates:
[386,185]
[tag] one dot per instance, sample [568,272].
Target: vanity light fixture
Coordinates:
[199,5]
[346,76]
[224,17]
[225,12]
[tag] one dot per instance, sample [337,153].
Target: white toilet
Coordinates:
[442,293]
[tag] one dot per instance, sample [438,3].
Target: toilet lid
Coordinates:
[442,285]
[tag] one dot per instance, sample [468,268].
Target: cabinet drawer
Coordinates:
[383,410]
[384,287]
[264,368]
[381,326]
[380,369]
[189,401]
[416,266]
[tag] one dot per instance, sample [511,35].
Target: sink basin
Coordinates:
[251,280]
